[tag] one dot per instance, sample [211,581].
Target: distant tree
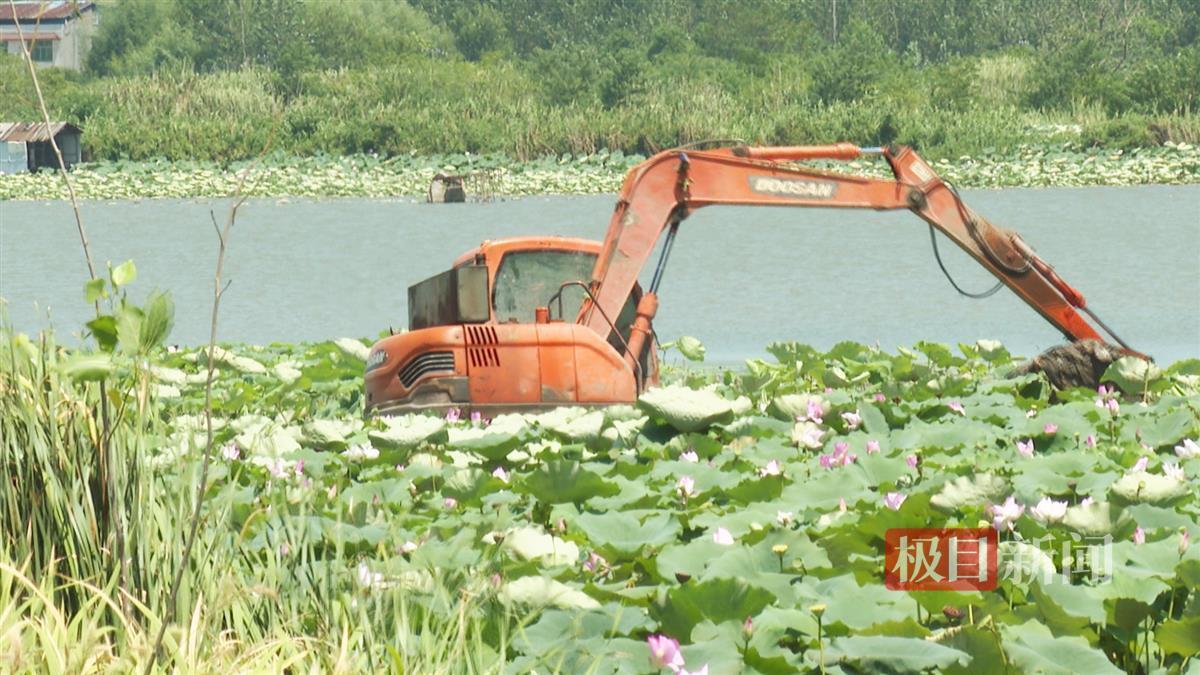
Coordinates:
[140,36]
[479,30]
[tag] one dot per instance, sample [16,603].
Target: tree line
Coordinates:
[1125,71]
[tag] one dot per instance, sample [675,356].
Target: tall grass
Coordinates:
[427,106]
[66,605]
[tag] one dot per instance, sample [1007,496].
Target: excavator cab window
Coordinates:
[527,280]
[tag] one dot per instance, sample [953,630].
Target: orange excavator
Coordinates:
[492,334]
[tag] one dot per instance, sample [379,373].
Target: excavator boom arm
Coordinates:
[665,189]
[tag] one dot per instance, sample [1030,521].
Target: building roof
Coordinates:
[29,37]
[29,11]
[33,131]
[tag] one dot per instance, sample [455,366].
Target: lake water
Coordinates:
[738,279]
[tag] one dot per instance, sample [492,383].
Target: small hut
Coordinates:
[25,146]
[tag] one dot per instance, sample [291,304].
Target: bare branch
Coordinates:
[218,291]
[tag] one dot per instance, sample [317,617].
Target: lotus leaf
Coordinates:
[528,543]
[406,431]
[545,592]
[1095,519]
[353,348]
[963,491]
[1147,488]
[1032,647]
[894,654]
[687,409]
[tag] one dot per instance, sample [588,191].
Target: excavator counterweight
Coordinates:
[510,350]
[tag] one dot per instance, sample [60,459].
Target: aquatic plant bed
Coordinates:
[409,176]
[742,515]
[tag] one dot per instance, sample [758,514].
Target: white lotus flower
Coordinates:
[360,452]
[1049,510]
[1173,470]
[1188,449]
[723,537]
[1006,513]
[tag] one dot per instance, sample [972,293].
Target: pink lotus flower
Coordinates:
[1184,541]
[912,461]
[230,452]
[476,417]
[1006,513]
[298,467]
[956,407]
[501,474]
[840,456]
[815,412]
[690,456]
[1139,536]
[785,518]
[872,446]
[453,414]
[1139,465]
[1025,447]
[686,486]
[808,434]
[1188,449]
[1090,441]
[852,420]
[449,502]
[893,500]
[772,468]
[1050,429]
[879,397]
[723,537]
[280,469]
[1086,501]
[594,562]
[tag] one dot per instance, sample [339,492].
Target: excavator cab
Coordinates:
[478,331]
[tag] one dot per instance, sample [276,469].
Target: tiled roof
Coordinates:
[30,11]
[32,131]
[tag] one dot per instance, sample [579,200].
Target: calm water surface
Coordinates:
[738,279]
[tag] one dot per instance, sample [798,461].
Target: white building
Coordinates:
[58,31]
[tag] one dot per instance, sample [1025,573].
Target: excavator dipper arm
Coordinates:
[666,188]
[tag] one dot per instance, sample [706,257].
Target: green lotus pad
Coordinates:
[1148,488]
[406,431]
[691,409]
[543,592]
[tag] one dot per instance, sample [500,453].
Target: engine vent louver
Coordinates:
[431,362]
[480,352]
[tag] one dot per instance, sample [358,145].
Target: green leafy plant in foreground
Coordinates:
[741,513]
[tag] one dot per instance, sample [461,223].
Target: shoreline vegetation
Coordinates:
[408,176]
[744,512]
[373,98]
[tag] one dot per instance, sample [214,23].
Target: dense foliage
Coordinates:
[184,79]
[740,513]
